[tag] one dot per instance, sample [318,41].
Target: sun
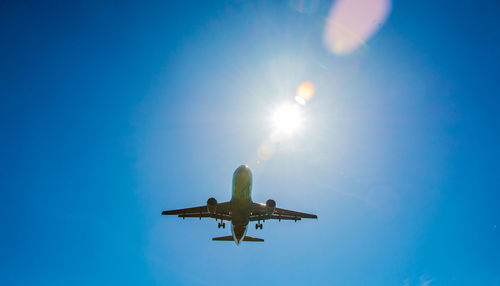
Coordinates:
[287,119]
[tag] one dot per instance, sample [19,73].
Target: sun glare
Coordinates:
[287,119]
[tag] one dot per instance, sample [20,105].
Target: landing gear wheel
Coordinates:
[218,225]
[223,225]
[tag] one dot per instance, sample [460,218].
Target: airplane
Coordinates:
[240,210]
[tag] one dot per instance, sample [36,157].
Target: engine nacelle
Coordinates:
[270,206]
[212,205]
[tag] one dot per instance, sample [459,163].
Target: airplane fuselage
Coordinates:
[241,202]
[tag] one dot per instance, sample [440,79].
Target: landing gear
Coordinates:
[258,225]
[221,224]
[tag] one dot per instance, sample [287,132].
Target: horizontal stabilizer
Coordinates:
[249,238]
[230,238]
[224,238]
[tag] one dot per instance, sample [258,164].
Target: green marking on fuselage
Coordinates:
[242,184]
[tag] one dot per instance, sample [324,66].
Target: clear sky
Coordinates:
[112,111]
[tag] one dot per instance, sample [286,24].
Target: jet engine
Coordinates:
[270,206]
[211,205]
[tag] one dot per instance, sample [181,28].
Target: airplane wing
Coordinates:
[259,213]
[285,212]
[222,211]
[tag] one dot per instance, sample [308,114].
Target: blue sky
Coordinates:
[114,111]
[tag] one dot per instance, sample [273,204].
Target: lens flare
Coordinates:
[300,100]
[351,22]
[287,119]
[265,151]
[305,92]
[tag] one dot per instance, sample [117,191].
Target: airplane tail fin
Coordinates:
[230,238]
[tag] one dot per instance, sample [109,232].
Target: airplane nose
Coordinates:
[243,169]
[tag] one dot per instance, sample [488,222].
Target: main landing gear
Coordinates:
[222,224]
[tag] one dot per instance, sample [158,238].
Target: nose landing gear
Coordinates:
[258,225]
[221,224]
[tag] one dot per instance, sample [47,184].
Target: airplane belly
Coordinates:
[240,218]
[239,232]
